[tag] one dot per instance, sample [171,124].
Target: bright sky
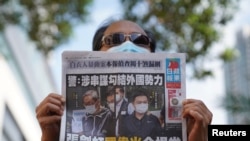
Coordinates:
[209,91]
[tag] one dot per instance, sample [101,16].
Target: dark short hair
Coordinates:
[110,91]
[139,92]
[121,88]
[152,40]
[97,39]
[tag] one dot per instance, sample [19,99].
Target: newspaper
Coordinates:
[157,117]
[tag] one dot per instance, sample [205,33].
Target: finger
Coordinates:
[194,107]
[53,96]
[197,106]
[51,104]
[49,109]
[206,116]
[47,122]
[204,112]
[196,123]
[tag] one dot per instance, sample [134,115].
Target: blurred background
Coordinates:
[33,34]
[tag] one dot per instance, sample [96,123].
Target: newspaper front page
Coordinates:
[148,108]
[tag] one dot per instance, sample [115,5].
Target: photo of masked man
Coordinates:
[141,123]
[118,104]
[97,118]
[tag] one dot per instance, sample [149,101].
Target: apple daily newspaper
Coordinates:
[153,86]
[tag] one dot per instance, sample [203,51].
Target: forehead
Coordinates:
[141,98]
[87,98]
[124,27]
[117,89]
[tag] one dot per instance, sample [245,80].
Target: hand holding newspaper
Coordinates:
[147,106]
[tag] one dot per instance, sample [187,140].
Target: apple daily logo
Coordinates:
[173,73]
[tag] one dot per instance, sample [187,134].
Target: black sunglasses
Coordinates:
[118,38]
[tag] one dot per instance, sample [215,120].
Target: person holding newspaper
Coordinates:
[122,36]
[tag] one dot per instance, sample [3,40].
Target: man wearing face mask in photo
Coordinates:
[121,103]
[119,106]
[97,118]
[111,100]
[113,34]
[141,123]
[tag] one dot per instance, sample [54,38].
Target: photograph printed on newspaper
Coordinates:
[123,96]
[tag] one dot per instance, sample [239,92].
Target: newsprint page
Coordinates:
[123,96]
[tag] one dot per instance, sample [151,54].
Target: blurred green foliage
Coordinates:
[187,26]
[229,54]
[49,23]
